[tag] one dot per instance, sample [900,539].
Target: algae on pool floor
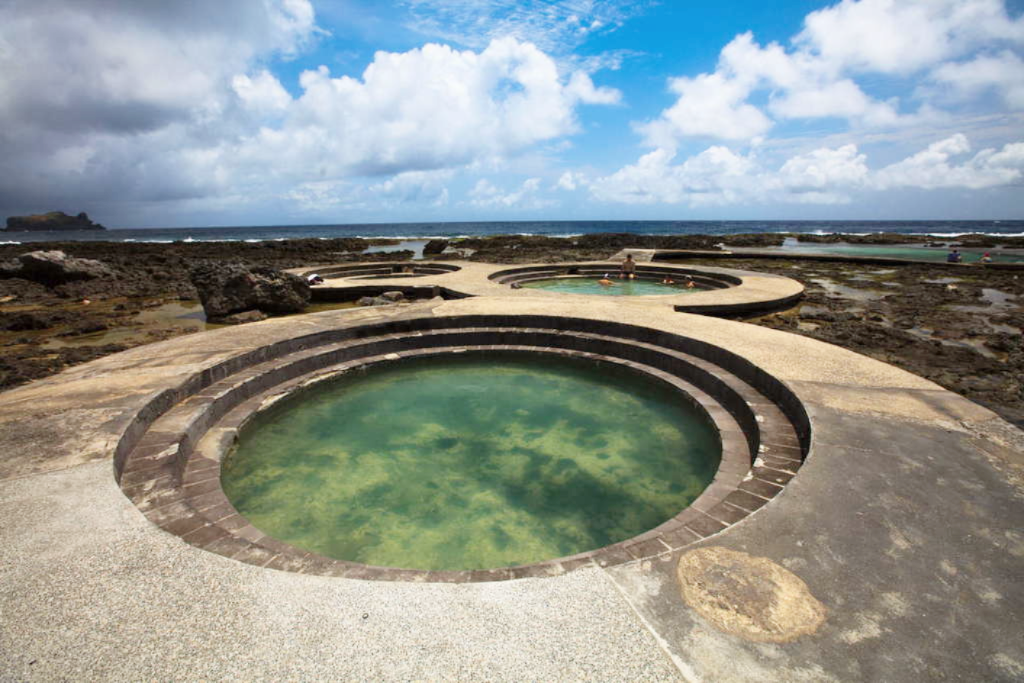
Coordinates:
[472,461]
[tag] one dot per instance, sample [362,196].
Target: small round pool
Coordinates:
[592,285]
[471,461]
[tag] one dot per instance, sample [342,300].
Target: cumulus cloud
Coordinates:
[428,108]
[823,72]
[166,101]
[718,176]
[710,105]
[934,167]
[486,195]
[262,93]
[570,180]
[1002,73]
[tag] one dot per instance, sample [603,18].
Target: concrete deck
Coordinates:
[895,554]
[757,291]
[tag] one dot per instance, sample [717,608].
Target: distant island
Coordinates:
[55,220]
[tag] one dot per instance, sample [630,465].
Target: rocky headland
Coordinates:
[52,221]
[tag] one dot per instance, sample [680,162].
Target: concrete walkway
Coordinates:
[895,554]
[756,291]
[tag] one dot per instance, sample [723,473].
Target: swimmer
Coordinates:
[668,281]
[605,282]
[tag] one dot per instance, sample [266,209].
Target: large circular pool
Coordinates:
[592,285]
[471,461]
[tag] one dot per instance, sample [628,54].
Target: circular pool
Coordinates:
[610,287]
[530,445]
[472,461]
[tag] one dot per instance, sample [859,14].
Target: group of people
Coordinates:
[954,256]
[628,272]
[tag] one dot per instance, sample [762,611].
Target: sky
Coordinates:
[150,113]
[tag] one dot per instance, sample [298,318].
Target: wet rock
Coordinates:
[393,296]
[225,289]
[241,318]
[31,320]
[52,268]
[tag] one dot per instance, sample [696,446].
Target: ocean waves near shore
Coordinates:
[949,229]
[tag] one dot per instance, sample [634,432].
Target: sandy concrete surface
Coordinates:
[904,524]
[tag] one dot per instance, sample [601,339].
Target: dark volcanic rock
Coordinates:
[52,268]
[55,220]
[31,320]
[434,247]
[226,288]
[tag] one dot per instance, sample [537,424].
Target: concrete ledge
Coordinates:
[903,521]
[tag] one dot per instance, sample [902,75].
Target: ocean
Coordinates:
[409,231]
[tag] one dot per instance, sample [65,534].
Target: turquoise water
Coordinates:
[471,462]
[971,255]
[589,285]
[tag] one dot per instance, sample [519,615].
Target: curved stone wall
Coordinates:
[168,464]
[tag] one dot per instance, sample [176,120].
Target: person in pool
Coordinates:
[985,258]
[954,256]
[628,268]
[605,282]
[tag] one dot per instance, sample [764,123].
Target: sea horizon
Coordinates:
[467,229]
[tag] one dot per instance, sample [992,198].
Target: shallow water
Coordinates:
[917,253]
[837,290]
[590,285]
[471,462]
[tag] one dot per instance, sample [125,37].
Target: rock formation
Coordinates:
[52,268]
[55,220]
[229,288]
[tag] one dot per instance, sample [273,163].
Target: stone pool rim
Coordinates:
[740,293]
[173,474]
[730,454]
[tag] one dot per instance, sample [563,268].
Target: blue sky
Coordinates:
[246,112]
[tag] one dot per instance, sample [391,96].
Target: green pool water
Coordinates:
[589,285]
[471,461]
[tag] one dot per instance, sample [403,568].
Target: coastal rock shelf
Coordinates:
[172,470]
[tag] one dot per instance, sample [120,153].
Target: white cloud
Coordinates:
[1002,73]
[414,187]
[716,176]
[933,168]
[486,195]
[824,71]
[571,180]
[710,105]
[428,108]
[719,176]
[149,103]
[904,36]
[264,93]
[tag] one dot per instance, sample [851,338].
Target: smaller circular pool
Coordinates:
[472,461]
[592,285]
